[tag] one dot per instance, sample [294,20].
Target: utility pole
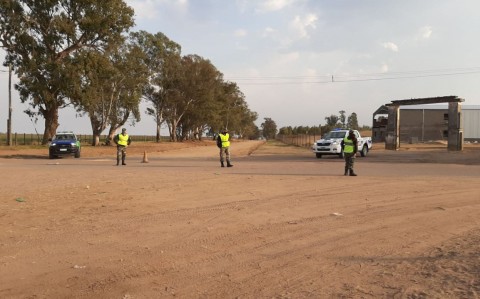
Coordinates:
[9,121]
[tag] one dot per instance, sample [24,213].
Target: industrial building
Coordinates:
[424,123]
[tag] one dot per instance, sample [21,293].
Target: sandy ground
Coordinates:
[279,224]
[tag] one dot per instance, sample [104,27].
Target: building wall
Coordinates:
[379,130]
[423,125]
[471,124]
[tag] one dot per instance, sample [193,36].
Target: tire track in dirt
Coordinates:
[244,266]
[278,241]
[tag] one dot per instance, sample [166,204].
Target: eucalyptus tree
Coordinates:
[194,83]
[208,113]
[352,121]
[226,109]
[131,79]
[109,87]
[38,36]
[286,130]
[237,116]
[269,128]
[162,56]
[332,122]
[246,127]
[233,100]
[224,98]
[90,93]
[196,120]
[342,118]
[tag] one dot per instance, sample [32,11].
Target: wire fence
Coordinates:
[301,140]
[36,139]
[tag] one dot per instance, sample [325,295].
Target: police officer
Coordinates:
[349,147]
[223,143]
[122,141]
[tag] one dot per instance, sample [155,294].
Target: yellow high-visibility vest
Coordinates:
[122,139]
[225,139]
[348,145]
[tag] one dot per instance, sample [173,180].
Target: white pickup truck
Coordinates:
[330,144]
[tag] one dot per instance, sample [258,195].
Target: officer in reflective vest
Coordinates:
[122,140]
[223,143]
[349,148]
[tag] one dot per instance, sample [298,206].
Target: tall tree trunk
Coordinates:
[159,116]
[96,136]
[97,128]
[96,139]
[51,122]
[111,134]
[158,133]
[173,131]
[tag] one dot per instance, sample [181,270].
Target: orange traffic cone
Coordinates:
[145,159]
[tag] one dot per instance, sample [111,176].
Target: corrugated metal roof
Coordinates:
[438,107]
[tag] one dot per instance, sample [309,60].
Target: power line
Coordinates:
[436,71]
[296,80]
[408,77]
[472,69]
[282,80]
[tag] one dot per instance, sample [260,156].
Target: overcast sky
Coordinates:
[299,61]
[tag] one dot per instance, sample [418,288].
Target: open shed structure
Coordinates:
[455,131]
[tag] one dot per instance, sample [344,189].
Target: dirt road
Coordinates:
[279,224]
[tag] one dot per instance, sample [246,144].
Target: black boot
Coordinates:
[123,161]
[228,164]
[118,161]
[346,171]
[222,164]
[352,173]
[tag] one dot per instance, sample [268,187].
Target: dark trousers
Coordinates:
[121,152]
[349,161]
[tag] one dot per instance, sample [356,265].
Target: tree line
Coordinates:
[331,122]
[82,53]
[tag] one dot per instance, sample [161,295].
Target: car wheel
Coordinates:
[318,156]
[77,154]
[364,151]
[341,155]
[51,156]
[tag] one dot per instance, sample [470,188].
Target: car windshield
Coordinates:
[334,134]
[64,137]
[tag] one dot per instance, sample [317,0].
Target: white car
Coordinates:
[330,144]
